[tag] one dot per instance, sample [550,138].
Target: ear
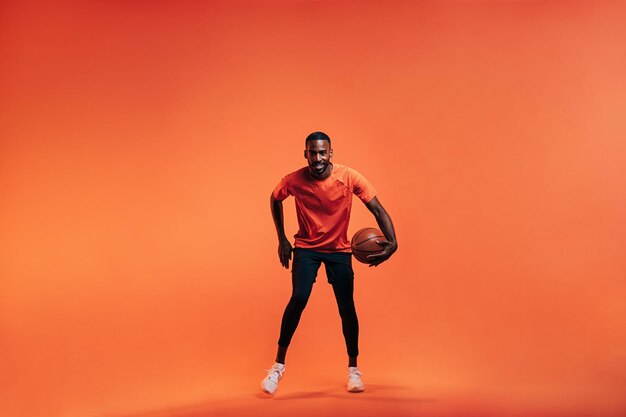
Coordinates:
[331,152]
[305,154]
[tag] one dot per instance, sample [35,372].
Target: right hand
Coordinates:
[284,252]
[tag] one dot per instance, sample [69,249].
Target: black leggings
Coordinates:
[306,263]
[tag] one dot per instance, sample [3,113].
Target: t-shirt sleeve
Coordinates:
[361,187]
[282,190]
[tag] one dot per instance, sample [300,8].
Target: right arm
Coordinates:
[284,246]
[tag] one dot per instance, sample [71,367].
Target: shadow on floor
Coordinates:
[391,400]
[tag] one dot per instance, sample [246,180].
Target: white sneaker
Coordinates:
[274,374]
[354,380]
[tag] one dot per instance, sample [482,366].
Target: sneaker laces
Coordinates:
[354,374]
[274,373]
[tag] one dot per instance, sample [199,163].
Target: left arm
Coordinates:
[386,226]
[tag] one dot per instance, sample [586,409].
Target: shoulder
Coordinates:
[341,170]
[346,173]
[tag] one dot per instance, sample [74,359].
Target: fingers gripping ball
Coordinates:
[364,244]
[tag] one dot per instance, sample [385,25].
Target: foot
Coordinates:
[274,374]
[354,380]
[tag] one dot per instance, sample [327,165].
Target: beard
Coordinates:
[319,168]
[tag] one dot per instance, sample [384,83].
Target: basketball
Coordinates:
[364,243]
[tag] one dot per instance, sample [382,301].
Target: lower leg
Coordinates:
[352,361]
[349,321]
[302,285]
[291,318]
[280,354]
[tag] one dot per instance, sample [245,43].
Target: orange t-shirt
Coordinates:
[323,206]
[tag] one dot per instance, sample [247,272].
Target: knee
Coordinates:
[347,310]
[299,300]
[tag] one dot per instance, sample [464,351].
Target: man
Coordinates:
[323,193]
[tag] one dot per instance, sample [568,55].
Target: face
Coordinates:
[318,154]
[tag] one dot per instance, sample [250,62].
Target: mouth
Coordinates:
[319,167]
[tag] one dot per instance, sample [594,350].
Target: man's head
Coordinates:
[318,154]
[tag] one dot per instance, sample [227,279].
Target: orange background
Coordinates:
[140,143]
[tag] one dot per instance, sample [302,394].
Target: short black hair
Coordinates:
[317,136]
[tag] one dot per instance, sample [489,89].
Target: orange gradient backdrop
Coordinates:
[141,141]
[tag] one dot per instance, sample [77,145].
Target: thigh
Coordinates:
[338,267]
[304,271]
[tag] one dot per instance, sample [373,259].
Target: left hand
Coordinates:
[388,249]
